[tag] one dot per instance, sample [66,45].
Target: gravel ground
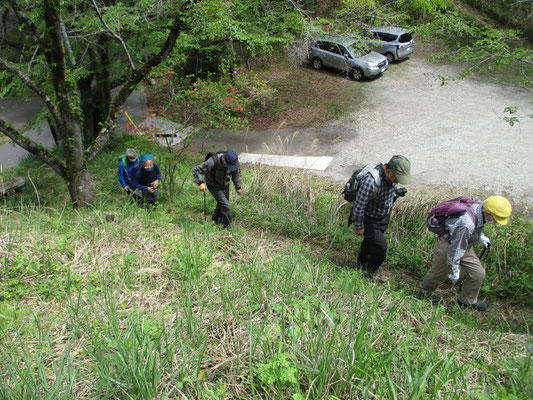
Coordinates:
[454,135]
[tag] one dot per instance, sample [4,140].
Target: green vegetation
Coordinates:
[118,302]
[510,13]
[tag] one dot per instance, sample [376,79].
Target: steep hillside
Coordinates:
[120,302]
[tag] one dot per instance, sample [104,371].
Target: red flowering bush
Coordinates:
[213,104]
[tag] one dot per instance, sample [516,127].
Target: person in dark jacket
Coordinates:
[126,165]
[218,170]
[371,211]
[146,178]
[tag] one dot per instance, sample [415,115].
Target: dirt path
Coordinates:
[454,135]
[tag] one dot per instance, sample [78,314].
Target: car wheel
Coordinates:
[390,57]
[317,63]
[357,74]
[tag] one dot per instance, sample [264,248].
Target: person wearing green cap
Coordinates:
[453,251]
[371,210]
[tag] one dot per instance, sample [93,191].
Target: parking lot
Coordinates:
[454,135]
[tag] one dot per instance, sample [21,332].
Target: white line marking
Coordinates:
[314,163]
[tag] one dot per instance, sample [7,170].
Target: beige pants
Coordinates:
[439,271]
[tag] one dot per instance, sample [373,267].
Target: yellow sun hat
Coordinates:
[499,207]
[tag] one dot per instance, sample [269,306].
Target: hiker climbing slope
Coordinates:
[453,251]
[218,169]
[372,207]
[126,164]
[146,178]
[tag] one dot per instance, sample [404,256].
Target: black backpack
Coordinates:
[212,154]
[351,187]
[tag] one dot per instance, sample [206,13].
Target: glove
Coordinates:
[401,192]
[455,275]
[485,241]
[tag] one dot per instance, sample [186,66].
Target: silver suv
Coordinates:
[394,43]
[346,54]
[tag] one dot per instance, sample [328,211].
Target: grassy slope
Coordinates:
[117,302]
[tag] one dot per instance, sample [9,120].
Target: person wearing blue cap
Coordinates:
[218,169]
[146,178]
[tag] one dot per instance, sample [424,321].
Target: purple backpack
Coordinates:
[440,213]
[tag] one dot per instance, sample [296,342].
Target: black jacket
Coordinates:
[216,174]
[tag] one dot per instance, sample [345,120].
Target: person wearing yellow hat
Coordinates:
[454,251]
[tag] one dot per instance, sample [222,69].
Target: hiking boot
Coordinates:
[434,297]
[479,306]
[376,275]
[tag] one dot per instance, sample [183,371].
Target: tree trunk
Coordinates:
[86,102]
[78,178]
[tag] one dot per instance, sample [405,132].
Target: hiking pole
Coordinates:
[205,209]
[485,249]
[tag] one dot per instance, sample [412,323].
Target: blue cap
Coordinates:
[145,157]
[232,161]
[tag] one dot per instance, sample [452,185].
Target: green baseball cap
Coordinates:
[401,167]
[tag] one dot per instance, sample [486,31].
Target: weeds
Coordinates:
[119,302]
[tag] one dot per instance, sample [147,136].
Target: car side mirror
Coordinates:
[347,55]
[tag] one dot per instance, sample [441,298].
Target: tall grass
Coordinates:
[250,319]
[115,302]
[297,205]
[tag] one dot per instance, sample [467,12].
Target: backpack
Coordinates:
[124,161]
[440,213]
[212,154]
[351,187]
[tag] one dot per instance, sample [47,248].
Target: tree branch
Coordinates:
[33,86]
[137,76]
[33,148]
[115,35]
[525,60]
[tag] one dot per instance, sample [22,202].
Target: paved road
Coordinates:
[19,112]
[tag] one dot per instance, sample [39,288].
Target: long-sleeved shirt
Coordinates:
[124,172]
[142,178]
[372,200]
[216,174]
[463,233]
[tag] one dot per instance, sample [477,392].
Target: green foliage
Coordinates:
[481,48]
[229,32]
[517,14]
[424,6]
[213,104]
[278,370]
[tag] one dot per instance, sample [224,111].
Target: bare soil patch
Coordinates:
[305,97]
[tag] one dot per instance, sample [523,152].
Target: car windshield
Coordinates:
[359,49]
[406,37]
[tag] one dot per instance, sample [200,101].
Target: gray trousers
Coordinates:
[223,213]
[439,271]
